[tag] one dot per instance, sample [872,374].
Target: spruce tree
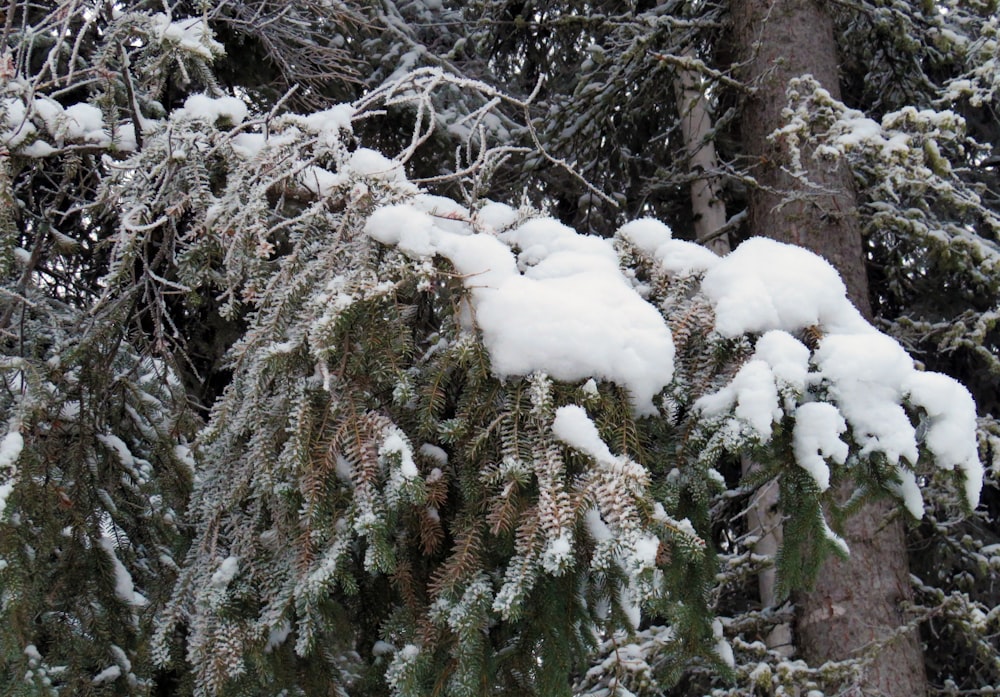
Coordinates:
[460,447]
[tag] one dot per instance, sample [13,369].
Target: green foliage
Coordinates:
[91,534]
[375,511]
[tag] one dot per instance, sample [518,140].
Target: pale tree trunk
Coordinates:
[764,523]
[709,209]
[696,127]
[854,603]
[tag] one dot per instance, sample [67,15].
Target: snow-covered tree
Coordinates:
[460,447]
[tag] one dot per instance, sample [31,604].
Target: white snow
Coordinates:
[16,125]
[774,289]
[276,637]
[190,35]
[764,284]
[320,181]
[818,427]
[10,449]
[249,145]
[722,648]
[786,356]
[546,299]
[124,587]
[225,573]
[493,217]
[755,395]
[37,149]
[435,454]
[866,376]
[116,444]
[183,453]
[85,122]
[51,113]
[558,553]
[598,529]
[404,227]
[574,427]
[121,658]
[677,257]
[107,675]
[125,139]
[909,492]
[836,539]
[646,548]
[330,122]
[371,163]
[395,443]
[343,469]
[646,234]
[383,648]
[363,162]
[630,607]
[202,106]
[951,432]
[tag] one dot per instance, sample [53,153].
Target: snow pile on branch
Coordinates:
[765,285]
[779,289]
[190,35]
[544,297]
[10,450]
[23,122]
[124,586]
[614,522]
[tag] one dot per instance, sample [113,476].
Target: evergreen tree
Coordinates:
[460,447]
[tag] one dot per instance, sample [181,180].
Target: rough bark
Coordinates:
[853,603]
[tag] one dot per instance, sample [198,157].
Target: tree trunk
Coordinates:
[706,191]
[854,603]
[709,208]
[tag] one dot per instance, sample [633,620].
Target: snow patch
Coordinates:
[676,257]
[277,636]
[190,35]
[763,285]
[818,427]
[124,587]
[866,376]
[754,394]
[10,450]
[951,426]
[396,444]
[107,675]
[546,299]
[202,106]
[435,454]
[225,573]
[574,427]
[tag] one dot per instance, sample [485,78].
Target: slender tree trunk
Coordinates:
[706,192]
[709,208]
[854,603]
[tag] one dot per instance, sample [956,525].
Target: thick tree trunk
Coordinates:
[854,603]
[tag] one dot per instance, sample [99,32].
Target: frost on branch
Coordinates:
[926,210]
[506,432]
[483,416]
